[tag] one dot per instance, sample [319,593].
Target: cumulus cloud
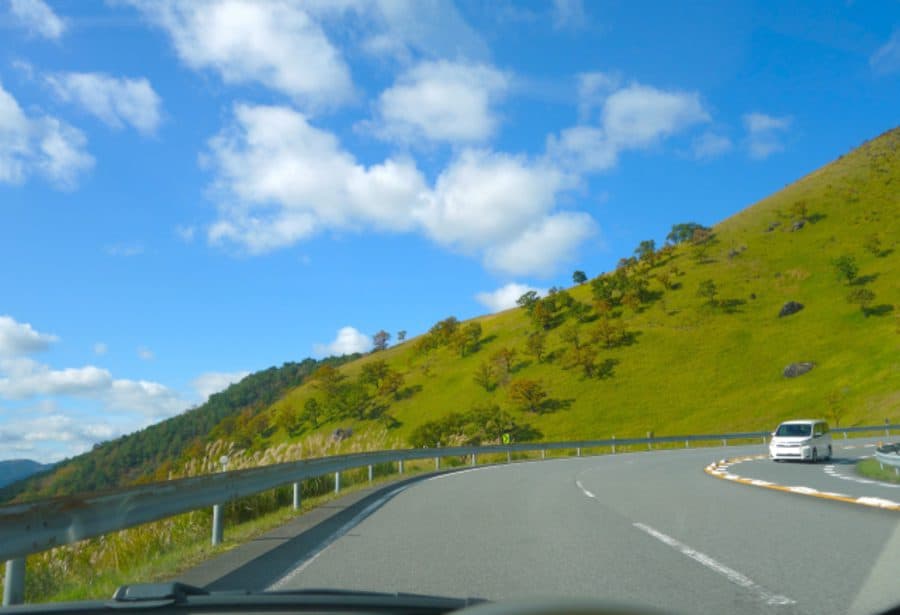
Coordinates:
[348,341]
[115,101]
[37,18]
[279,180]
[886,58]
[441,101]
[41,145]
[21,378]
[631,118]
[764,134]
[710,145]
[276,44]
[542,246]
[213,382]
[17,339]
[51,437]
[506,296]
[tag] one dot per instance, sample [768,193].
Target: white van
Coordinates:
[804,439]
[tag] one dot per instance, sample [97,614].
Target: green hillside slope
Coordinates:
[693,365]
[686,338]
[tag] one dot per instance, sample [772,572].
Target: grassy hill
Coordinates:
[692,366]
[679,361]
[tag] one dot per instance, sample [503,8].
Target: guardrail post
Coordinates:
[474,459]
[845,435]
[14,582]
[337,482]
[296,502]
[401,466]
[543,454]
[508,459]
[437,463]
[578,452]
[724,442]
[217,525]
[687,444]
[370,473]
[614,445]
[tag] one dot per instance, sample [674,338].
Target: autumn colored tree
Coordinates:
[503,358]
[527,395]
[610,332]
[584,358]
[466,339]
[570,334]
[391,383]
[484,376]
[536,344]
[328,380]
[542,314]
[374,372]
[863,297]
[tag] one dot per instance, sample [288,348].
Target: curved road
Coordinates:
[644,529]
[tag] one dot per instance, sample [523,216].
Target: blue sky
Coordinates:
[190,191]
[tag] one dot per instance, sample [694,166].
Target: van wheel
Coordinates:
[815,456]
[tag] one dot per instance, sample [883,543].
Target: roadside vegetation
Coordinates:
[870,468]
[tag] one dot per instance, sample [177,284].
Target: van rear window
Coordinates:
[790,431]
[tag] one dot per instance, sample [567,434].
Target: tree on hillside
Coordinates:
[535,345]
[585,358]
[328,380]
[503,358]
[863,297]
[467,338]
[484,376]
[873,245]
[646,250]
[799,210]
[528,300]
[580,311]
[846,268]
[391,383]
[683,232]
[542,314]
[610,332]
[708,290]
[380,340]
[374,372]
[443,330]
[570,335]
[401,335]
[290,420]
[312,412]
[527,395]
[579,277]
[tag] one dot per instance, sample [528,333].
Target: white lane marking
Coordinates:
[761,483]
[882,503]
[456,473]
[729,573]
[833,472]
[583,490]
[328,542]
[804,490]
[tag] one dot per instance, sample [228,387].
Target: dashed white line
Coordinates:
[583,490]
[729,573]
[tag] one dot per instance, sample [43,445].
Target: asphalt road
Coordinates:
[644,529]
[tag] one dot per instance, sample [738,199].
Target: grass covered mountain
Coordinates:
[686,337]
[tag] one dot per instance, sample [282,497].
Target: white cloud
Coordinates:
[764,134]
[213,382]
[276,44]
[505,297]
[442,101]
[280,180]
[116,101]
[348,341]
[145,354]
[151,399]
[886,58]
[100,349]
[23,378]
[543,246]
[569,14]
[38,18]
[710,145]
[52,437]
[631,118]
[17,339]
[403,28]
[593,88]
[40,145]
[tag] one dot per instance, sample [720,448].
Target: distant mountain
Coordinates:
[146,455]
[17,469]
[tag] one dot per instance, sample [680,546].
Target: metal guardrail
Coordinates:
[37,526]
